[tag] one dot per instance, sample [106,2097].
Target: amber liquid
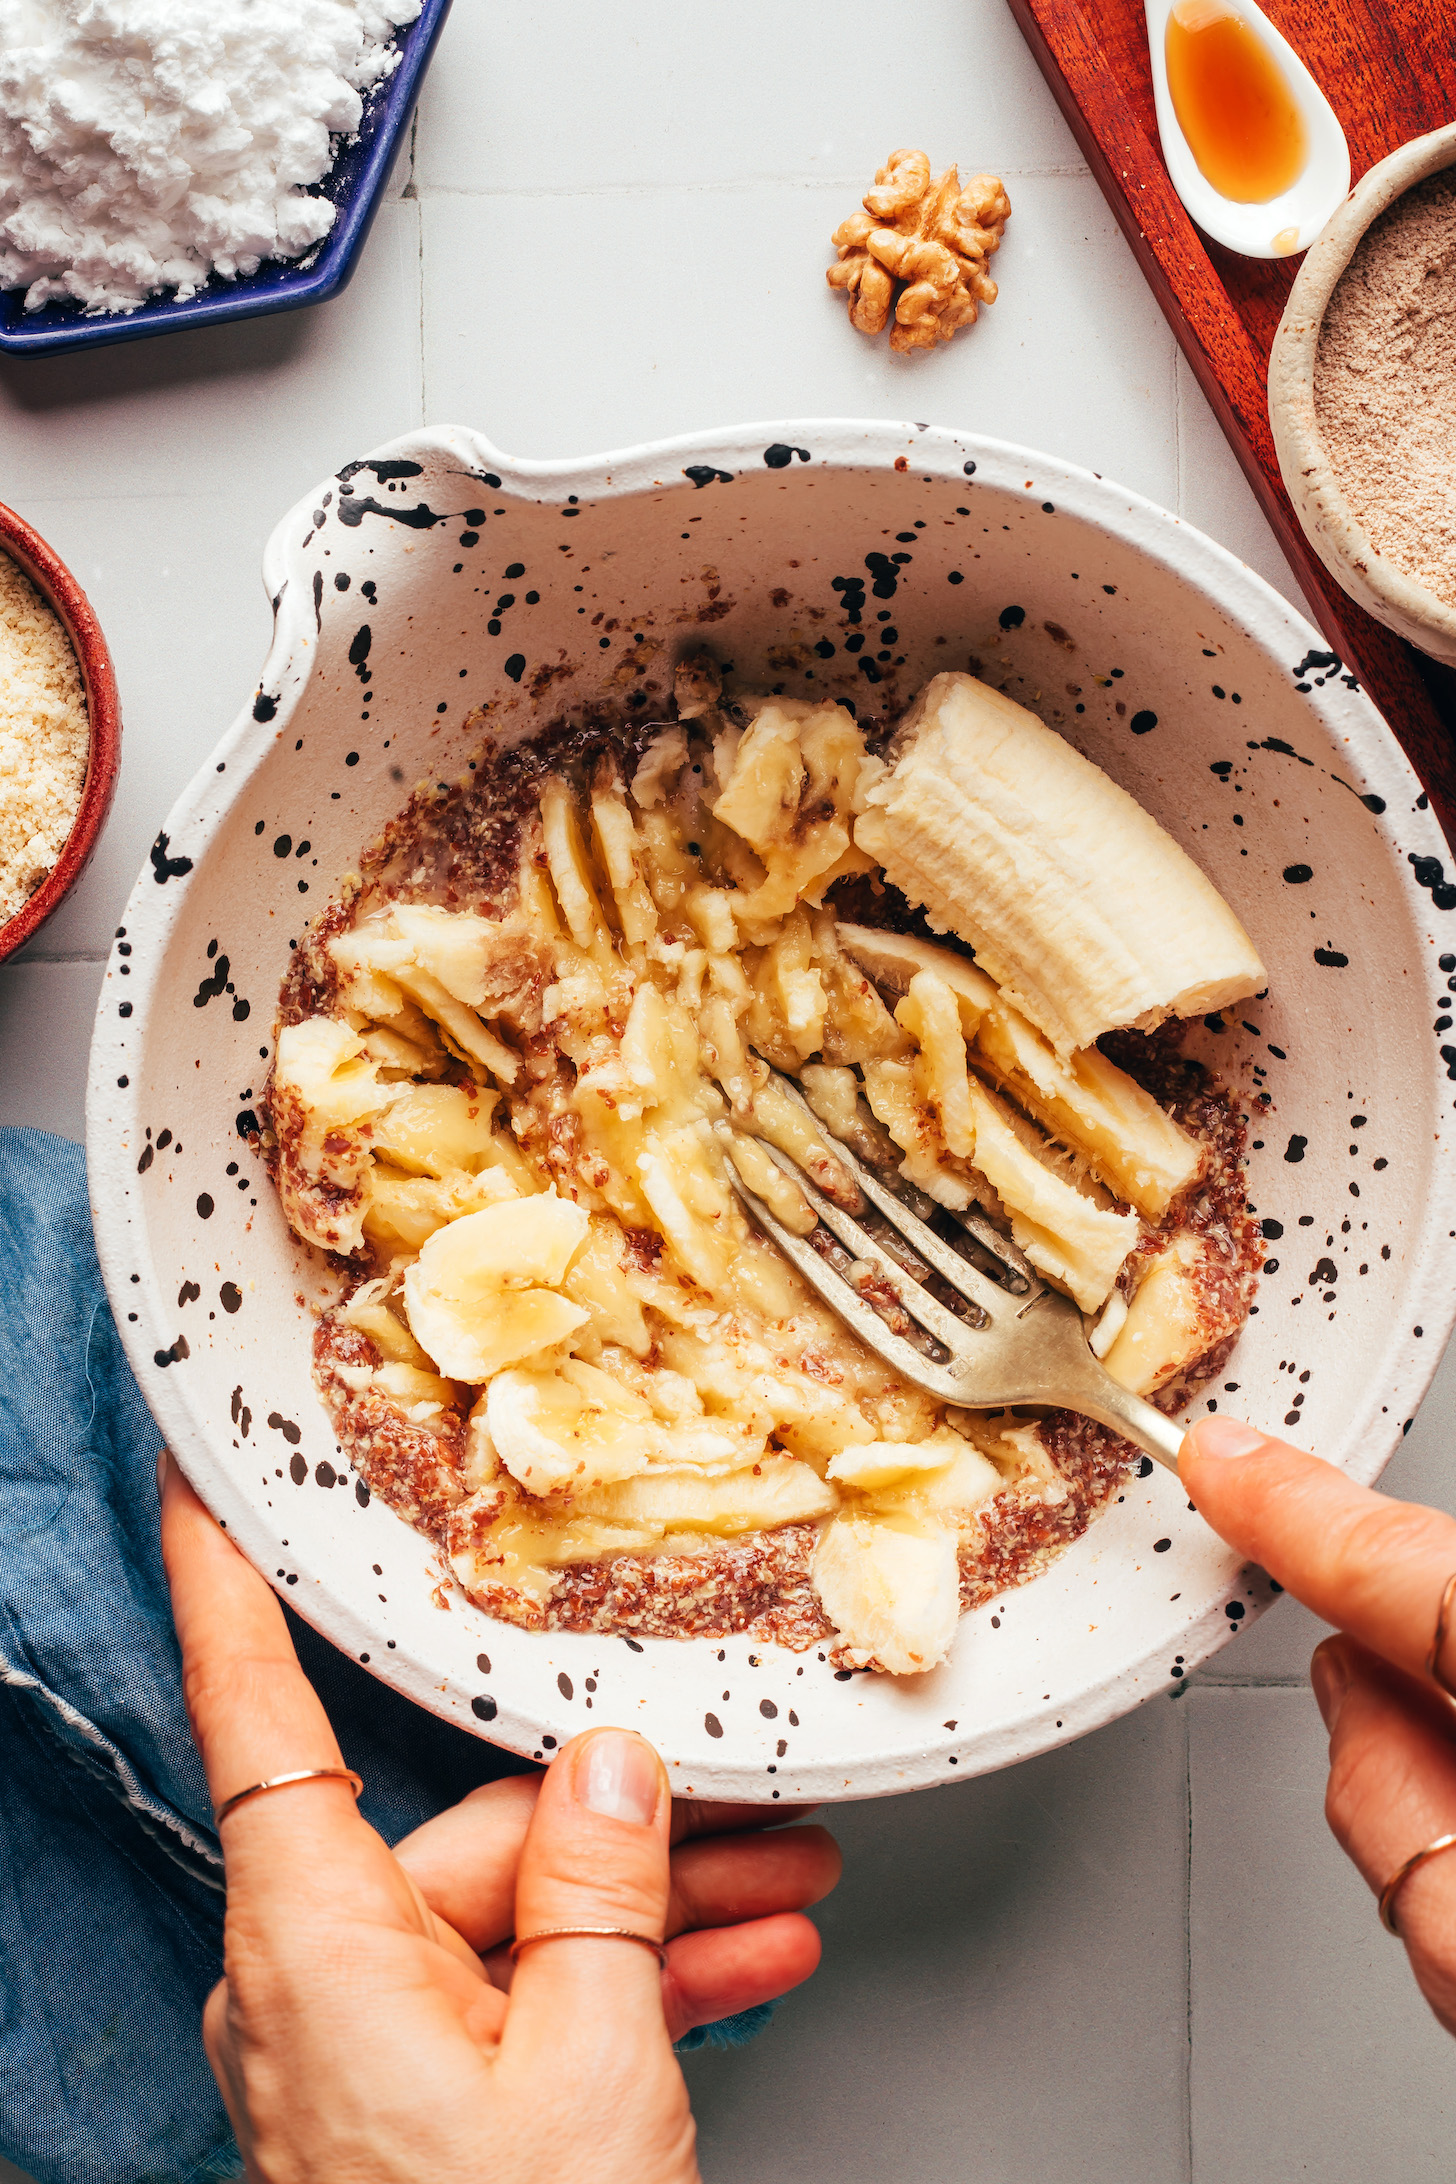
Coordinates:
[1233,103]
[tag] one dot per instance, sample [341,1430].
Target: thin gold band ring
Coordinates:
[587,1933]
[284,1781]
[1443,1618]
[1403,1873]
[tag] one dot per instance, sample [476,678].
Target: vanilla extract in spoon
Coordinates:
[1253,147]
[1233,103]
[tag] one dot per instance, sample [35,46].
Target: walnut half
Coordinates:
[933,237]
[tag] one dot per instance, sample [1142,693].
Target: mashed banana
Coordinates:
[517,1062]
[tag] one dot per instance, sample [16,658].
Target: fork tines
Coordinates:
[865,1277]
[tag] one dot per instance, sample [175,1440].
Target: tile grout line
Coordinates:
[736,187]
[63,962]
[424,408]
[1207,1681]
[1186,1717]
[1178,425]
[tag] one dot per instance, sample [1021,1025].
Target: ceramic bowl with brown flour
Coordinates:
[1362,394]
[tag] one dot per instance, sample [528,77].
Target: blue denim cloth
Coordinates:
[111,1896]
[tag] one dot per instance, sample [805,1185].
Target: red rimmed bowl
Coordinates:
[56,585]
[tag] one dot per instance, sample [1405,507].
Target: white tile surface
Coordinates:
[249,415]
[1214,494]
[1313,2053]
[755,332]
[1003,1992]
[614,225]
[46,1010]
[695,94]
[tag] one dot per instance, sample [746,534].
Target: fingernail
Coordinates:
[619,1775]
[163,1459]
[1330,1679]
[1225,1437]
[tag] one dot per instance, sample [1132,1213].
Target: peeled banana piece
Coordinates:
[1083,1099]
[472,1295]
[1078,905]
[892,1590]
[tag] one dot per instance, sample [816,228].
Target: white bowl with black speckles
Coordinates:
[438,576]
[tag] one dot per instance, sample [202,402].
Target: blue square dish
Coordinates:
[353,183]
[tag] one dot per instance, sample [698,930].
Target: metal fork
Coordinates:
[1028,1343]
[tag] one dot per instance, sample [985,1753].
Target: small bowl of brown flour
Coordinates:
[60,731]
[1362,393]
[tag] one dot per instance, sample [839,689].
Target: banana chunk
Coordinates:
[471,1297]
[1180,1310]
[894,959]
[892,1590]
[571,1429]
[326,1092]
[758,1498]
[1083,1099]
[1078,1243]
[1089,1102]
[1077,904]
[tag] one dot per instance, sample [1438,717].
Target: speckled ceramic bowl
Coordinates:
[438,576]
[1330,524]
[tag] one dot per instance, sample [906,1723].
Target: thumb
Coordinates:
[595,1855]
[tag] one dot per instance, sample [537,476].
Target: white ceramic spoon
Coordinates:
[1287,223]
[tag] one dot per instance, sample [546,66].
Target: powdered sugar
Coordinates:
[145,144]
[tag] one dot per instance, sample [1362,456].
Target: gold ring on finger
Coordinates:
[593,1933]
[285,1781]
[1403,1873]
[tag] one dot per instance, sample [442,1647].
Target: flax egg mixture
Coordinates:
[572,995]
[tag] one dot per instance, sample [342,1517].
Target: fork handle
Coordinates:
[1113,1405]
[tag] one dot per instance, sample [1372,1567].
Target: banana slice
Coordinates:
[402,1211]
[325,1093]
[873,1464]
[785,1020]
[367,1311]
[452,965]
[894,959]
[569,1430]
[470,1295]
[1076,902]
[788,790]
[1068,1237]
[428,1129]
[1081,1098]
[616,840]
[566,861]
[1179,1311]
[930,1013]
[757,1498]
[766,1179]
[892,1591]
[597,1281]
[895,1101]
[1090,1103]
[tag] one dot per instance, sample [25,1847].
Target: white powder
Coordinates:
[44,738]
[145,144]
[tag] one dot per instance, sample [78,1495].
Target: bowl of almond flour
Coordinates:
[60,731]
[1362,393]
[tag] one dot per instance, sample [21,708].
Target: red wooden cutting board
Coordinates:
[1388,67]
